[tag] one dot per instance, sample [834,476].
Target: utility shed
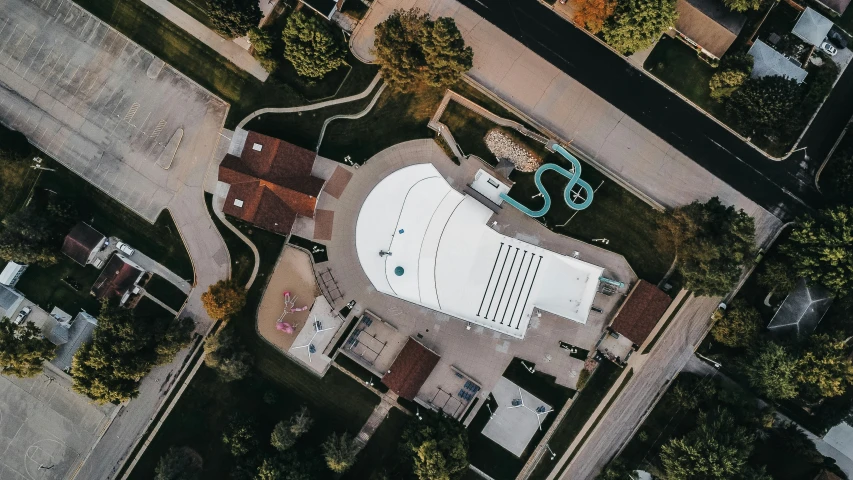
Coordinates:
[641,311]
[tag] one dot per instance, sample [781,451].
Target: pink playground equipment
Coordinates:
[289,307]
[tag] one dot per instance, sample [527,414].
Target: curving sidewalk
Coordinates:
[354,116]
[314,106]
[218,202]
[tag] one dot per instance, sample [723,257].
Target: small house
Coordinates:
[83,243]
[118,279]
[12,273]
[812,27]
[79,332]
[10,301]
[410,369]
[768,62]
[708,25]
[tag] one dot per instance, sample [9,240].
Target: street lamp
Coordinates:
[529,369]
[553,455]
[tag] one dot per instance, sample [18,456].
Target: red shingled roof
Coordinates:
[410,369]
[116,279]
[641,312]
[80,242]
[275,184]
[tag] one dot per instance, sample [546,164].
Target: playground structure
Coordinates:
[571,195]
[289,307]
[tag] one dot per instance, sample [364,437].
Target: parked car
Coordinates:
[22,315]
[837,38]
[125,248]
[828,48]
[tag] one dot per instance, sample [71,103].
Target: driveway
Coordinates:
[559,76]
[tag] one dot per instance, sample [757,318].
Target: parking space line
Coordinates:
[24,76]
[14,30]
[12,50]
[25,54]
[47,77]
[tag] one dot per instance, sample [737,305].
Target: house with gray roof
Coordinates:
[769,62]
[812,27]
[81,331]
[10,301]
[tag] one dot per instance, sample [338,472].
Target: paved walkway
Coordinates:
[568,110]
[218,202]
[158,302]
[354,116]
[228,49]
[379,414]
[313,106]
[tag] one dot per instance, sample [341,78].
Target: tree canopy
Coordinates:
[23,349]
[824,369]
[225,354]
[240,436]
[766,106]
[743,5]
[777,275]
[261,40]
[340,452]
[312,48]
[772,371]
[712,242]
[14,145]
[739,327]
[224,299]
[179,464]
[840,181]
[637,24]
[285,434]
[123,349]
[821,249]
[717,449]
[28,236]
[591,14]
[730,75]
[437,446]
[413,50]
[233,18]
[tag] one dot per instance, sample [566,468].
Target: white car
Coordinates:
[22,315]
[125,248]
[828,48]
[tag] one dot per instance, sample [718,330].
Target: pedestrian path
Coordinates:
[218,202]
[158,302]
[228,49]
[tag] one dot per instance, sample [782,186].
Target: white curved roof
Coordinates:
[454,263]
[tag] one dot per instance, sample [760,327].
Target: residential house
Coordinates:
[118,279]
[79,332]
[802,310]
[812,27]
[12,273]
[269,182]
[768,62]
[10,301]
[82,243]
[326,8]
[708,25]
[410,369]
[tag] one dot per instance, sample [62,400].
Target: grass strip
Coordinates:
[166,292]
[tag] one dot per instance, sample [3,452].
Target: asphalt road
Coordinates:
[773,185]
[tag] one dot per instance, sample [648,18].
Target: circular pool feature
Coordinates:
[399,271]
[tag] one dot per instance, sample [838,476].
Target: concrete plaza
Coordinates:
[45,429]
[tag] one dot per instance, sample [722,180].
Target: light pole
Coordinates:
[553,455]
[529,369]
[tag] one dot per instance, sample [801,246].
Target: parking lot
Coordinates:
[45,429]
[103,106]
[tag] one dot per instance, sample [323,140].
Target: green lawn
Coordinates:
[166,292]
[17,179]
[196,9]
[242,259]
[54,286]
[160,241]
[244,92]
[615,214]
[580,411]
[380,456]
[680,67]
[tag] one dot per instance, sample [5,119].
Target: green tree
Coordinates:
[224,299]
[739,327]
[179,464]
[821,249]
[718,448]
[225,354]
[340,452]
[772,371]
[413,50]
[437,447]
[176,336]
[821,82]
[712,242]
[312,48]
[233,18]
[725,82]
[743,5]
[825,369]
[261,40]
[616,470]
[123,349]
[637,24]
[287,466]
[766,106]
[301,422]
[29,236]
[14,145]
[282,439]
[239,436]
[777,276]
[23,349]
[839,177]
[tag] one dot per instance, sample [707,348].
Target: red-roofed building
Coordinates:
[82,243]
[270,183]
[410,369]
[641,311]
[117,279]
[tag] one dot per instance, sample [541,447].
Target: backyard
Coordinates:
[166,292]
[244,92]
[65,285]
[678,66]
